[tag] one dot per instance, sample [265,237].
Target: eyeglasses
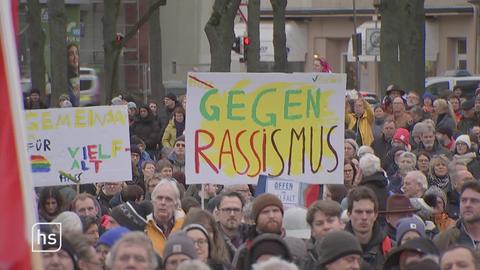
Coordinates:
[174,263]
[180,145]
[200,242]
[230,210]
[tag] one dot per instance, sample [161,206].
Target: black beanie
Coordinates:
[336,245]
[126,215]
[269,244]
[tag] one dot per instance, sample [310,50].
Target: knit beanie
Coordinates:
[269,244]
[336,245]
[201,228]
[437,192]
[126,215]
[410,224]
[179,243]
[465,139]
[111,236]
[425,211]
[264,200]
[353,143]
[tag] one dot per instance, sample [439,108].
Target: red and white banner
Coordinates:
[17,212]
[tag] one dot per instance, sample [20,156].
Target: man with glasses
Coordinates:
[229,214]
[177,157]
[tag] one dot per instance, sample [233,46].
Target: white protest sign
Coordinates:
[84,145]
[287,191]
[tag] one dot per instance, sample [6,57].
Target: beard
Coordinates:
[271,227]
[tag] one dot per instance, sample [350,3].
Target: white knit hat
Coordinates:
[465,139]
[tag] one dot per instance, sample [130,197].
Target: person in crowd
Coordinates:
[150,185]
[444,137]
[361,121]
[406,163]
[398,207]
[423,162]
[351,149]
[65,258]
[152,104]
[466,230]
[444,115]
[179,248]
[438,200]
[334,192]
[455,102]
[401,117]
[295,224]
[409,228]
[71,223]
[243,190]
[175,128]
[363,212]
[374,178]
[323,217]
[266,246]
[208,193]
[147,129]
[177,156]
[438,175]
[85,204]
[469,118]
[85,253]
[413,99]
[334,254]
[50,204]
[417,130]
[107,192]
[383,143]
[463,153]
[393,159]
[107,240]
[379,120]
[229,215]
[350,172]
[459,257]
[90,229]
[165,219]
[170,102]
[132,114]
[410,252]
[131,215]
[428,100]
[430,145]
[148,170]
[132,251]
[144,156]
[458,176]
[414,184]
[34,101]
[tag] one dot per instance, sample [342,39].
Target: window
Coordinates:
[461,54]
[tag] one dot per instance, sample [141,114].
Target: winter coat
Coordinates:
[148,130]
[466,124]
[169,135]
[380,147]
[471,161]
[378,183]
[436,150]
[445,120]
[365,123]
[442,221]
[455,235]
[157,236]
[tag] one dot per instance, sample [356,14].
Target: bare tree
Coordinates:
[36,44]
[57,23]
[220,34]
[113,48]
[155,48]
[253,26]
[279,35]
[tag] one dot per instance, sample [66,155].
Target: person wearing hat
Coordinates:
[427,101]
[469,118]
[146,128]
[131,215]
[400,115]
[132,112]
[361,121]
[437,199]
[409,228]
[170,102]
[335,254]
[411,251]
[382,144]
[394,91]
[463,153]
[295,223]
[179,248]
[401,137]
[66,258]
[177,156]
[107,240]
[266,246]
[398,207]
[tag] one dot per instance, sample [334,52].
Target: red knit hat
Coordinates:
[402,135]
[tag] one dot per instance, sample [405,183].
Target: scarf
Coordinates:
[441,182]
[465,158]
[180,127]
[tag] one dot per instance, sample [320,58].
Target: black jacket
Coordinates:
[378,183]
[381,147]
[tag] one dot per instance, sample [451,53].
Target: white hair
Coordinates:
[274,263]
[173,185]
[364,149]
[419,177]
[369,164]
[193,265]
[70,221]
[409,155]
[139,239]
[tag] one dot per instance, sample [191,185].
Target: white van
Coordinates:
[437,85]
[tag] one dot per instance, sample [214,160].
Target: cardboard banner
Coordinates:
[79,145]
[241,125]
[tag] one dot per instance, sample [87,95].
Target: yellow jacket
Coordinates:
[365,123]
[156,234]
[169,135]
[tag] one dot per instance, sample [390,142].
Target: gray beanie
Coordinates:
[179,243]
[410,224]
[336,245]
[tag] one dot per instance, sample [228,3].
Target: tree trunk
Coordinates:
[220,34]
[36,44]
[155,48]
[253,52]
[58,48]
[412,46]
[111,51]
[279,35]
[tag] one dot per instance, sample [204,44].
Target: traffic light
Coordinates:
[236,45]
[245,43]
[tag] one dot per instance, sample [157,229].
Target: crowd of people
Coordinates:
[410,199]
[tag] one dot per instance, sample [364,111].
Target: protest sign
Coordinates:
[79,145]
[289,192]
[241,125]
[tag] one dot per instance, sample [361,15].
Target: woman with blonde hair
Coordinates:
[445,117]
[438,175]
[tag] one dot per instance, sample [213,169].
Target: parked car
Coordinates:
[441,86]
